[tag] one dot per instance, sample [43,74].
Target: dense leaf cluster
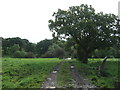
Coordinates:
[88,29]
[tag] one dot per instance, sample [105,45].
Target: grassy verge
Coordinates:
[90,70]
[26,73]
[64,78]
[0,73]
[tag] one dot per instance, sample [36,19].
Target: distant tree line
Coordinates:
[22,48]
[17,47]
[50,48]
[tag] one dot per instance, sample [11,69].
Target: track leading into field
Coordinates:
[78,80]
[51,81]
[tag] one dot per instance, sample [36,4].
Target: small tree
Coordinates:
[19,54]
[30,55]
[59,53]
[55,51]
[42,46]
[13,49]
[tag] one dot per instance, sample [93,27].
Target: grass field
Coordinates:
[26,73]
[31,72]
[90,70]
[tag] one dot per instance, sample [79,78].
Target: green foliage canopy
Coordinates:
[42,46]
[88,29]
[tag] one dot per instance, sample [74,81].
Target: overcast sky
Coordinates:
[28,19]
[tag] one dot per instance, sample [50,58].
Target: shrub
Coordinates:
[19,54]
[59,53]
[30,55]
[47,55]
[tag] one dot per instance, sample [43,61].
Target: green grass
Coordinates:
[0,71]
[90,70]
[64,78]
[26,73]
[31,72]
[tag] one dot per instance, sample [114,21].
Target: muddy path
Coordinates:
[79,81]
[51,80]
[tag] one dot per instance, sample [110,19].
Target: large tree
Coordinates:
[88,29]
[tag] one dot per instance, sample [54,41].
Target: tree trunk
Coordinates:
[82,56]
[85,58]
